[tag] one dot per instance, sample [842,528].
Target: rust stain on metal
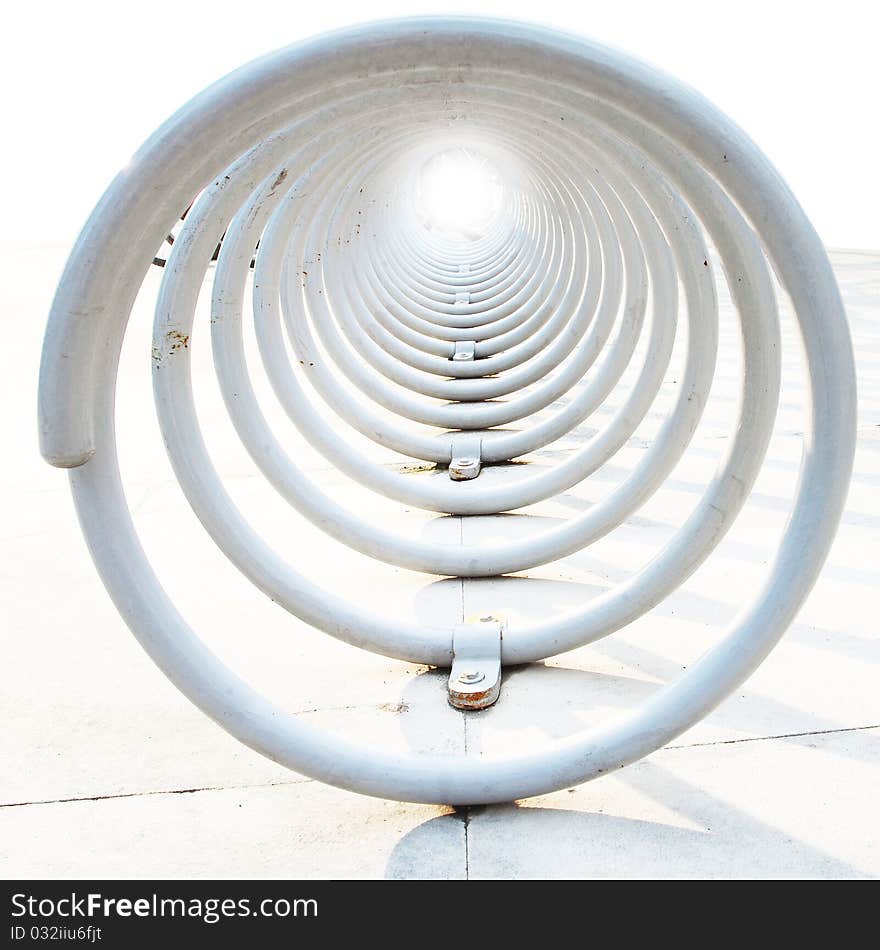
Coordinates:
[473,701]
[281,176]
[177,340]
[173,341]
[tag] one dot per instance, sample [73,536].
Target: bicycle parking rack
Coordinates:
[619,189]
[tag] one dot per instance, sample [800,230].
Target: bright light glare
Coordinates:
[458,192]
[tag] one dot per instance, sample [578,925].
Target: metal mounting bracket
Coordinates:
[475,677]
[466,457]
[465,350]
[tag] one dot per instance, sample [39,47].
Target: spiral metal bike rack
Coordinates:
[618,188]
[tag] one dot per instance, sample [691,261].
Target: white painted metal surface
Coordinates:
[619,190]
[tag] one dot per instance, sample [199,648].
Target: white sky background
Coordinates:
[85,82]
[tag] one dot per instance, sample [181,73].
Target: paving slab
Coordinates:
[755,809]
[294,830]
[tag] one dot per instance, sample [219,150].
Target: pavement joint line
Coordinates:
[464,721]
[304,780]
[160,791]
[784,735]
[467,844]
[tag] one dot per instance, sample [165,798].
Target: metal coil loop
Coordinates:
[610,196]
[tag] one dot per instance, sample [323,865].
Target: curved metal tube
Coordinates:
[614,182]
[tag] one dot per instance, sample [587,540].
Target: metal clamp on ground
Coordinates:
[475,677]
[466,459]
[465,351]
